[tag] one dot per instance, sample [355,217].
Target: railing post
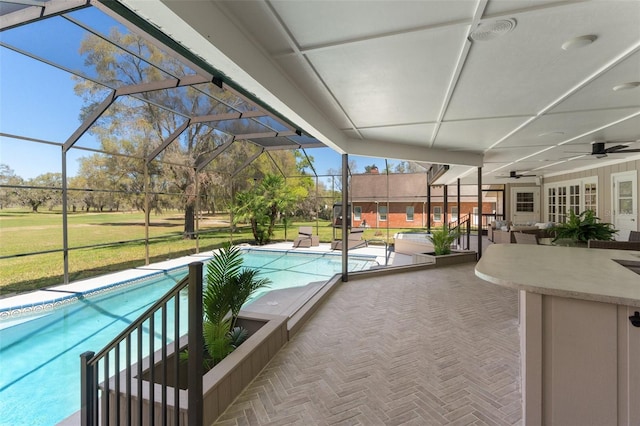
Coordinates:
[194,364]
[87,391]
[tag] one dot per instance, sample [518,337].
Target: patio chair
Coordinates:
[354,240]
[522,238]
[634,236]
[306,238]
[614,245]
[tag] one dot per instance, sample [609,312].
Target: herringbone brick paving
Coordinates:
[433,347]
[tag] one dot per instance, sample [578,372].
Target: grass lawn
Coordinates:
[23,232]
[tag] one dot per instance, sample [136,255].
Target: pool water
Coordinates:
[40,354]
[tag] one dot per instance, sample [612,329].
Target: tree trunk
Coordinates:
[189,221]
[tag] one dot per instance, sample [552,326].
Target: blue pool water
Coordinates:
[40,356]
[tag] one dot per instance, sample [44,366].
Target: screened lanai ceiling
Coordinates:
[524,85]
[119,68]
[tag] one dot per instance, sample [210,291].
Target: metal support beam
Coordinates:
[173,136]
[428,206]
[88,122]
[204,161]
[445,217]
[246,163]
[277,166]
[228,116]
[197,211]
[459,211]
[147,213]
[479,212]
[36,10]
[65,222]
[345,215]
[194,362]
[310,162]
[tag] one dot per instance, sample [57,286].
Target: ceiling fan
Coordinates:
[599,149]
[515,175]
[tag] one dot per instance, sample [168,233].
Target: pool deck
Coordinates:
[50,297]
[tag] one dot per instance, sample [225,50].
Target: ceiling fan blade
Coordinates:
[626,150]
[612,149]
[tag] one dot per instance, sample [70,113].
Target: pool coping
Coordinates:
[47,299]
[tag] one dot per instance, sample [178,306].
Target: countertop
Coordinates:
[579,273]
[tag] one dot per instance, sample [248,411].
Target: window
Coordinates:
[574,198]
[409,213]
[590,197]
[382,212]
[525,202]
[551,210]
[625,197]
[437,214]
[562,204]
[357,212]
[454,213]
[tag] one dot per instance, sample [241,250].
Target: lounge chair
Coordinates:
[306,238]
[354,240]
[614,245]
[634,236]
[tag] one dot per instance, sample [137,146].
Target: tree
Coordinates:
[408,167]
[40,190]
[336,175]
[8,182]
[262,205]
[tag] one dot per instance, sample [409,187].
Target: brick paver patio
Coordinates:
[427,347]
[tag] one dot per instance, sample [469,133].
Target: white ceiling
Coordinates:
[401,80]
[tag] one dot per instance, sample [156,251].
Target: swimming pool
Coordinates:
[40,353]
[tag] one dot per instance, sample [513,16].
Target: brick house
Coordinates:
[399,200]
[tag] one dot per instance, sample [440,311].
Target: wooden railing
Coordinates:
[102,369]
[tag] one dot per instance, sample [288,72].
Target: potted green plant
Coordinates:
[228,287]
[580,228]
[442,238]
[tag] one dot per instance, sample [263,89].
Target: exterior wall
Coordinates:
[397,215]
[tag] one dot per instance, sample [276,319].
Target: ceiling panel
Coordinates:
[526,70]
[624,131]
[417,134]
[600,94]
[300,72]
[325,22]
[370,80]
[553,129]
[508,155]
[475,135]
[256,18]
[501,7]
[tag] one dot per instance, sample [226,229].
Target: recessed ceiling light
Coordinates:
[578,42]
[493,29]
[627,86]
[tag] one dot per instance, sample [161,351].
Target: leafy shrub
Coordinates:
[584,227]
